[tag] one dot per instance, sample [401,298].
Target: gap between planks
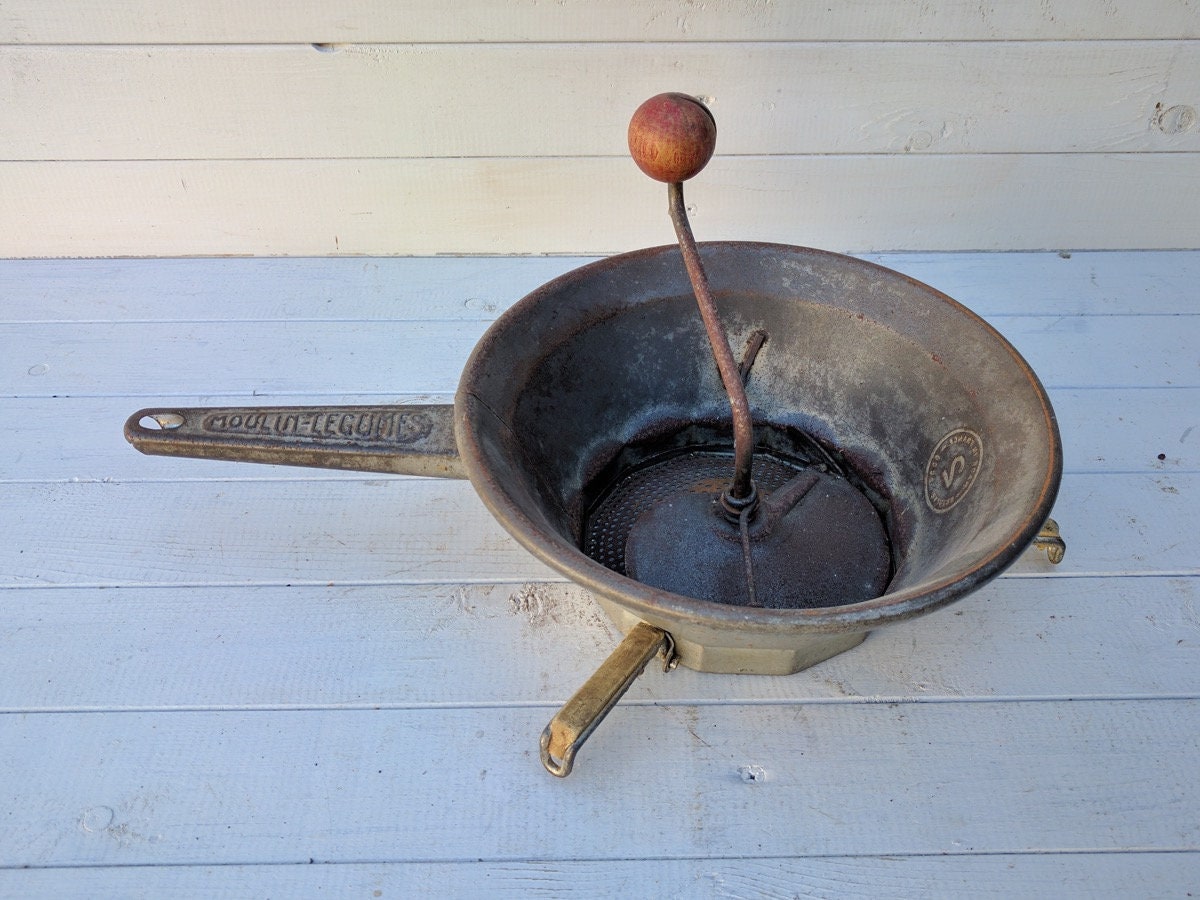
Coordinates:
[681,703]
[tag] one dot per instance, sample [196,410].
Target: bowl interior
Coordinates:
[933,414]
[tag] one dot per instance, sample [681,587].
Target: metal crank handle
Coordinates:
[575,722]
[403,440]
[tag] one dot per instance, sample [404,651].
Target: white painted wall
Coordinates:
[153,128]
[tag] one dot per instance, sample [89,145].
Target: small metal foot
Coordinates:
[575,722]
[1050,540]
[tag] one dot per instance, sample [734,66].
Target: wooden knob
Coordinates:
[672,137]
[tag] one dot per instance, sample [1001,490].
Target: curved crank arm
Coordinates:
[404,440]
[575,722]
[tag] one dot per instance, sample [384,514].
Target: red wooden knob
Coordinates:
[672,137]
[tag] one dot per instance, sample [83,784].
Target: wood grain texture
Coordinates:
[138,129]
[211,675]
[226,21]
[1061,875]
[479,288]
[359,785]
[514,100]
[532,643]
[535,206]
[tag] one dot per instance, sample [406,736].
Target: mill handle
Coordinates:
[402,440]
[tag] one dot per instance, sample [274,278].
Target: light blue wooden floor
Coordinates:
[235,681]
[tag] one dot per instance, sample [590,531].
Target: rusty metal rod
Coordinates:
[742,486]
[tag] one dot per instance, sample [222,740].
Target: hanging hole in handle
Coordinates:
[163,421]
[560,767]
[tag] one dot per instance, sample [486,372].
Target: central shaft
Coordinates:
[741,490]
[671,138]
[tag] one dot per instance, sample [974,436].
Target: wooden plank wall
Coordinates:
[221,127]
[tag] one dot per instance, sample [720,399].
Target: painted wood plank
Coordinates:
[157,360]
[264,289]
[594,206]
[429,531]
[229,21]
[181,289]
[386,101]
[1063,283]
[1062,875]
[1129,431]
[455,784]
[339,357]
[428,646]
[79,439]
[1086,351]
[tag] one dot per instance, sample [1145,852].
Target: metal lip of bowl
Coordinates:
[544,309]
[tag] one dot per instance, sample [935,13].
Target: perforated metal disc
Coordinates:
[637,491]
[814,539]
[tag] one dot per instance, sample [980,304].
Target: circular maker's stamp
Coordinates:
[952,468]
